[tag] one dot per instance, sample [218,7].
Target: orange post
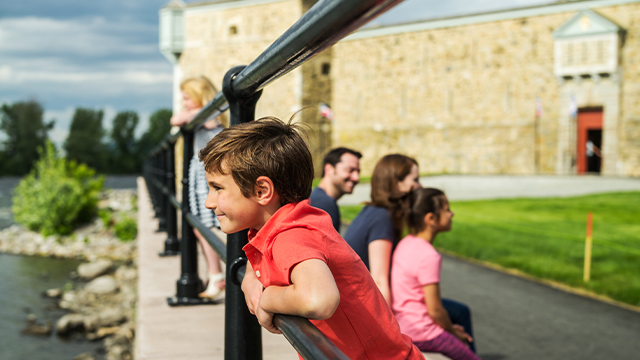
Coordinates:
[587,249]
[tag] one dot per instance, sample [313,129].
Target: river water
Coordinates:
[23,279]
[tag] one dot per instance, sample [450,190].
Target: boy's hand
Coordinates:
[265,319]
[252,289]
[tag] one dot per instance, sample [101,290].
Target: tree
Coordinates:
[124,146]
[84,143]
[159,127]
[26,132]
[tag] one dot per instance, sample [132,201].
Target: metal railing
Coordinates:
[323,25]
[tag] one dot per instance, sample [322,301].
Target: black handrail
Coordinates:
[327,22]
[323,25]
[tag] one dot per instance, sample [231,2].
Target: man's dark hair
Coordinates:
[333,157]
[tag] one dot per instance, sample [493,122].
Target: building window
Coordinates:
[326,68]
[233,30]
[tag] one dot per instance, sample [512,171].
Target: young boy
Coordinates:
[259,177]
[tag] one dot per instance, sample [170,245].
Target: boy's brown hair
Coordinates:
[264,147]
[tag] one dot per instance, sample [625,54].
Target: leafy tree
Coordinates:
[123,147]
[25,130]
[158,130]
[84,143]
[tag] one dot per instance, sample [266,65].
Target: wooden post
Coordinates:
[587,249]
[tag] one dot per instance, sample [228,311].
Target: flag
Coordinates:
[573,106]
[538,106]
[325,111]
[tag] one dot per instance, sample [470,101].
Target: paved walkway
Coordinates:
[518,319]
[472,187]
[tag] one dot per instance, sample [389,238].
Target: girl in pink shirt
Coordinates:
[415,278]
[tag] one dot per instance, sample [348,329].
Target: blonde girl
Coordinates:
[196,93]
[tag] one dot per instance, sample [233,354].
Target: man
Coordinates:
[340,174]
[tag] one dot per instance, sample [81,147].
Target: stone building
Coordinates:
[523,91]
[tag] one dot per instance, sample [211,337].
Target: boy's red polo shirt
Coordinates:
[363,326]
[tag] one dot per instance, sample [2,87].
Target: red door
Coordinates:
[589,141]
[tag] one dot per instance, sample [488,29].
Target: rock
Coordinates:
[68,298]
[103,285]
[126,273]
[127,330]
[84,356]
[94,269]
[53,293]
[111,317]
[37,329]
[106,331]
[116,340]
[117,352]
[68,323]
[91,323]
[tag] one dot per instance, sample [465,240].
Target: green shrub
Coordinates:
[106,217]
[126,229]
[56,195]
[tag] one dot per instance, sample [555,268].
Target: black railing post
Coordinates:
[163,200]
[156,191]
[149,179]
[189,284]
[172,244]
[242,335]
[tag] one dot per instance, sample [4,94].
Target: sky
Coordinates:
[104,54]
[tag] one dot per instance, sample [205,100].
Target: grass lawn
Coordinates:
[545,238]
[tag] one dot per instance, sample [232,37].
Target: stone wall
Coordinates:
[217,40]
[628,132]
[459,99]
[463,99]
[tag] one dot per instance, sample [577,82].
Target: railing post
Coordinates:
[172,244]
[163,200]
[242,337]
[155,169]
[189,284]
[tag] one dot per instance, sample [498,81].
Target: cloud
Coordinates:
[8,75]
[93,62]
[88,37]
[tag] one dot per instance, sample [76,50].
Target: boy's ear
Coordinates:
[265,191]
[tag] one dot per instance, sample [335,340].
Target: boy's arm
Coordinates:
[313,294]
[439,314]
[252,289]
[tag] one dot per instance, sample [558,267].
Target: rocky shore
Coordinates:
[101,304]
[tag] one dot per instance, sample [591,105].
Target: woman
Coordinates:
[374,232]
[197,92]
